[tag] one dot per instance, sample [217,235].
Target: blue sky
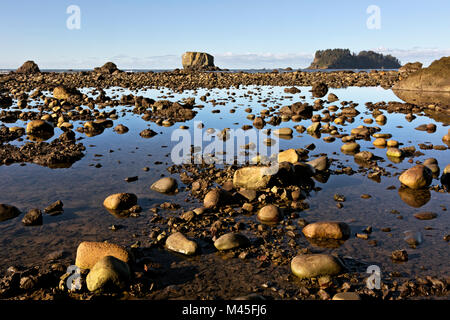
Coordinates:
[240,34]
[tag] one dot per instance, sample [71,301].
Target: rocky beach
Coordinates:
[94,204]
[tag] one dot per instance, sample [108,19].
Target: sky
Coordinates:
[245,34]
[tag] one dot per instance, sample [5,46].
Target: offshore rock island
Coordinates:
[344,59]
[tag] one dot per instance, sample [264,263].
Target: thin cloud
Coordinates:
[424,55]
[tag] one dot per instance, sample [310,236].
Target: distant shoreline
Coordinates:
[5,71]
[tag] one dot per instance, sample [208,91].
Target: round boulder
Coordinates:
[120,201]
[179,243]
[417,177]
[327,230]
[315,265]
[269,214]
[109,274]
[231,241]
[89,253]
[165,185]
[39,128]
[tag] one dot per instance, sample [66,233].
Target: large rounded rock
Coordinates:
[319,89]
[394,153]
[320,164]
[416,177]
[179,243]
[252,177]
[120,201]
[109,274]
[269,214]
[350,147]
[165,185]
[289,156]
[8,212]
[364,156]
[66,93]
[283,132]
[325,230]
[379,142]
[315,265]
[231,241]
[89,253]
[39,128]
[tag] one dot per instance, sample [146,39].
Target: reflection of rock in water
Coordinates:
[425,98]
[395,159]
[120,214]
[57,154]
[414,198]
[322,177]
[326,243]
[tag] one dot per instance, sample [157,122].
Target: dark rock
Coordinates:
[32,218]
[29,67]
[8,212]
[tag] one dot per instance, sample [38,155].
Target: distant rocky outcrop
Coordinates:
[199,61]
[410,68]
[344,59]
[434,78]
[29,67]
[428,85]
[107,68]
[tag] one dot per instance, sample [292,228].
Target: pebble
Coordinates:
[399,255]
[269,214]
[425,215]
[165,185]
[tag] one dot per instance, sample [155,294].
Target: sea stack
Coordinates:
[198,61]
[29,67]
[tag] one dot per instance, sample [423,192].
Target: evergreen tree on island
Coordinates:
[344,59]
